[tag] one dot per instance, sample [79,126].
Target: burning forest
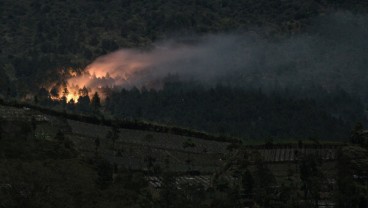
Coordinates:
[185,103]
[318,58]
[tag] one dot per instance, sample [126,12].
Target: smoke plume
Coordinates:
[331,53]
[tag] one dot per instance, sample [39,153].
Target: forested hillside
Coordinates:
[38,38]
[183,103]
[250,114]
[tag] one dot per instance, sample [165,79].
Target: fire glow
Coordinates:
[109,71]
[121,69]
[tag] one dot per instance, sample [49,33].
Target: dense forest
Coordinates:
[245,114]
[41,37]
[227,111]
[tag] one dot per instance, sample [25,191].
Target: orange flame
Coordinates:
[107,71]
[123,68]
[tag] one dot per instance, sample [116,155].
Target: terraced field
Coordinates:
[133,148]
[15,114]
[290,153]
[204,180]
[153,139]
[151,151]
[138,149]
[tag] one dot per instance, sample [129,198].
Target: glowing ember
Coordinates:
[107,71]
[123,69]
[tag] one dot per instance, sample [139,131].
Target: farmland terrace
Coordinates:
[202,162]
[140,149]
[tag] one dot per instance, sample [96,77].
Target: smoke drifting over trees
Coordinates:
[330,54]
[315,81]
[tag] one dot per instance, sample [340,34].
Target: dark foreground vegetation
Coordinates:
[42,171]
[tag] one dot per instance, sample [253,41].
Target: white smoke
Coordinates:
[332,53]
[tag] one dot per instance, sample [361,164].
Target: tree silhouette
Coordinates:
[63,102]
[83,92]
[357,136]
[96,102]
[65,92]
[71,105]
[84,101]
[54,92]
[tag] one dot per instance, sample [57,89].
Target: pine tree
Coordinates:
[71,105]
[96,102]
[65,92]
